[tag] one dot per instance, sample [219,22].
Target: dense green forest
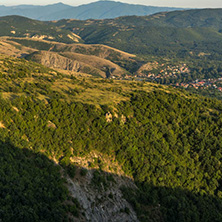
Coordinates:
[168,140]
[177,139]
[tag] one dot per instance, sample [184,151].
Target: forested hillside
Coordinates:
[167,140]
[31,186]
[18,26]
[164,34]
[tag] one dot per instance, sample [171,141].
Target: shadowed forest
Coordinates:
[32,190]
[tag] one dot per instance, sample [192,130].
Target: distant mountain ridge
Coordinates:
[176,33]
[95,10]
[31,11]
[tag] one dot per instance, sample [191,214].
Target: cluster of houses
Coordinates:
[164,71]
[202,84]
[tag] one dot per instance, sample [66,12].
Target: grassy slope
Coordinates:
[93,91]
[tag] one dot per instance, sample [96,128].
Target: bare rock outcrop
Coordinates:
[55,60]
[102,204]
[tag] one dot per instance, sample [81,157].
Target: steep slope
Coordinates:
[110,68]
[166,140]
[95,10]
[74,64]
[100,193]
[35,183]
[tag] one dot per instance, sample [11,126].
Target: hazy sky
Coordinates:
[175,3]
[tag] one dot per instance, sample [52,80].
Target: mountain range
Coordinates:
[95,10]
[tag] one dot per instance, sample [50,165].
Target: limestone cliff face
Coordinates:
[100,203]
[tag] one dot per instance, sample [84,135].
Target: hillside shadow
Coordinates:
[153,203]
[32,189]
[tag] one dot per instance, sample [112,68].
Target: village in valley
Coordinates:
[203,84]
[173,75]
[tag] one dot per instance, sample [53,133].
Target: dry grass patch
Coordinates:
[2,126]
[96,96]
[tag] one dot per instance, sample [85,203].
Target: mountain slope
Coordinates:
[160,34]
[166,140]
[97,60]
[95,10]
[182,48]
[155,38]
[194,18]
[23,27]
